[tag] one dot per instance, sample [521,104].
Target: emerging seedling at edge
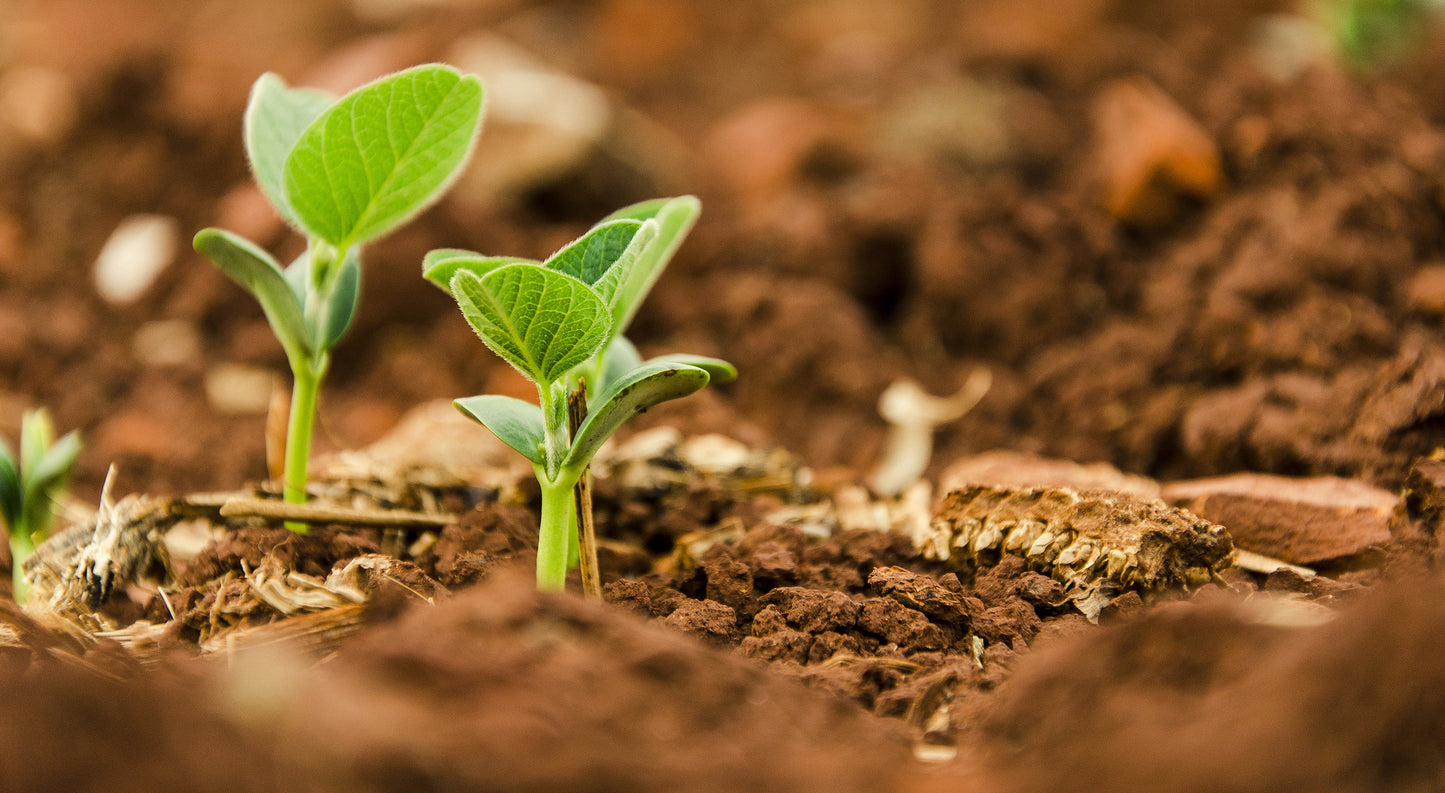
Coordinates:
[343,173]
[30,485]
[560,322]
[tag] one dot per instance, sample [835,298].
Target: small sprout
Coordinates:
[913,414]
[1371,34]
[559,322]
[343,172]
[30,486]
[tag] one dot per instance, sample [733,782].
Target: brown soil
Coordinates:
[1171,257]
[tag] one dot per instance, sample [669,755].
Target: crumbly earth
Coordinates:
[1179,243]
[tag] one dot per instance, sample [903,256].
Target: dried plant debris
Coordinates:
[661,460]
[139,540]
[1089,541]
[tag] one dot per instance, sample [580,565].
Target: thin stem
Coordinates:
[556,529]
[557,533]
[298,438]
[21,548]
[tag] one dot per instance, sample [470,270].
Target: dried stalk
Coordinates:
[586,531]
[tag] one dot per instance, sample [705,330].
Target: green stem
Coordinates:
[298,436]
[557,534]
[21,548]
[557,531]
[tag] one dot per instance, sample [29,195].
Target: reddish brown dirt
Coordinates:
[1210,699]
[911,188]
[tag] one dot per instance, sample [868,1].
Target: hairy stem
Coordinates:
[558,527]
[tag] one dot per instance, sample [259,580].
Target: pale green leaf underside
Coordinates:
[518,424]
[538,320]
[340,308]
[441,265]
[275,118]
[382,153]
[675,217]
[718,370]
[647,385]
[258,273]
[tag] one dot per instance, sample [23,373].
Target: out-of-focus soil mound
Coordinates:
[1234,697]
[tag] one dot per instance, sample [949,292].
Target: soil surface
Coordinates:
[1183,244]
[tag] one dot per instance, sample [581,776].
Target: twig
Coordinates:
[314,513]
[586,531]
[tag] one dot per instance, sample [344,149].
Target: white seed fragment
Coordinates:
[37,102]
[137,252]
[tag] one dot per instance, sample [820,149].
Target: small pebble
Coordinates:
[166,342]
[38,103]
[237,389]
[139,250]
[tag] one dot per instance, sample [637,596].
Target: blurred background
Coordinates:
[1185,238]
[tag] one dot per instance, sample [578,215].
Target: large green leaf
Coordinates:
[675,217]
[275,118]
[594,257]
[382,153]
[538,320]
[440,265]
[259,274]
[647,385]
[518,424]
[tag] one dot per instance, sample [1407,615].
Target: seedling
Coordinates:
[342,173]
[560,323]
[1372,34]
[30,486]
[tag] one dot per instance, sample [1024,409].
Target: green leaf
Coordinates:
[340,306]
[383,153]
[10,491]
[298,277]
[53,466]
[718,370]
[44,481]
[37,432]
[440,265]
[675,217]
[518,424]
[593,256]
[259,274]
[640,389]
[275,117]
[538,320]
